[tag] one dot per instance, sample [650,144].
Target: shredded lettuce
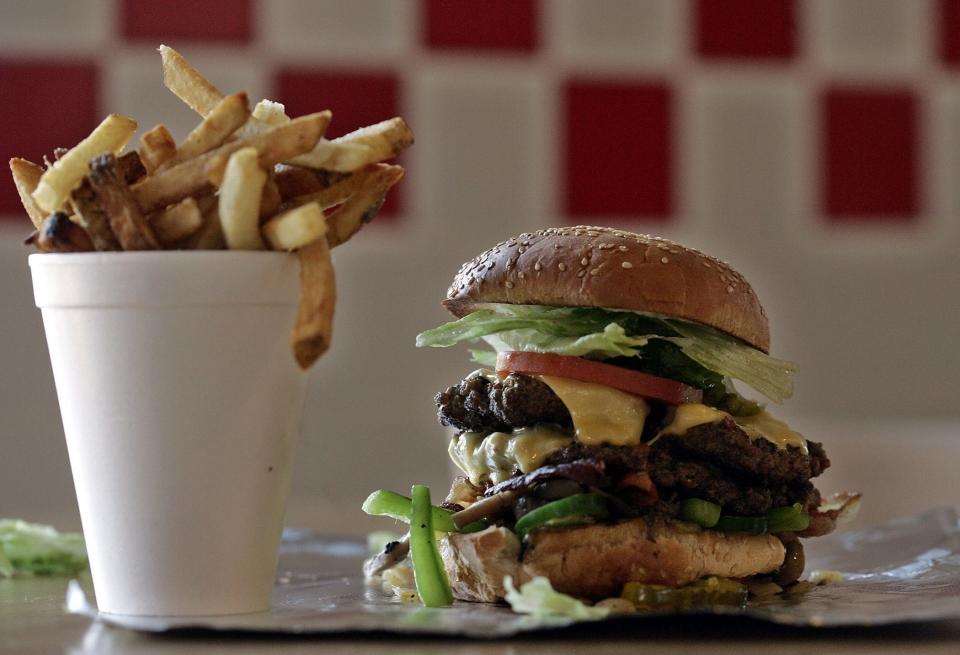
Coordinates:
[29,548]
[605,333]
[539,598]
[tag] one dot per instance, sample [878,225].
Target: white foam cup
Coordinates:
[181,404]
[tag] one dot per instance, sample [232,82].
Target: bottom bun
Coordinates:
[595,561]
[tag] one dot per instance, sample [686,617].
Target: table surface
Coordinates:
[32,620]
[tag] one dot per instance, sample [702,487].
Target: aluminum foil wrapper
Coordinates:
[907,570]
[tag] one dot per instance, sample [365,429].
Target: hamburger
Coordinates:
[603,442]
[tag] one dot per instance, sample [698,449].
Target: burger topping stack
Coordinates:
[604,445]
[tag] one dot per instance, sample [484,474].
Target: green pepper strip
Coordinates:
[791,518]
[428,571]
[702,512]
[572,510]
[399,507]
[787,519]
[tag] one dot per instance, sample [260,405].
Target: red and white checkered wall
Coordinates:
[618,106]
[815,144]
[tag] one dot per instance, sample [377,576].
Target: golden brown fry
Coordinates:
[65,175]
[187,83]
[228,116]
[269,112]
[299,181]
[210,234]
[131,167]
[270,200]
[284,144]
[118,203]
[296,228]
[240,195]
[26,176]
[314,329]
[367,145]
[177,222]
[360,208]
[86,206]
[59,234]
[189,178]
[157,147]
[344,187]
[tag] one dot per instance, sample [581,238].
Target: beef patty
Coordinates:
[716,461]
[478,404]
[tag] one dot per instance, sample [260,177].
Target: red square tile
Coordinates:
[504,25]
[618,150]
[46,104]
[751,29]
[871,155]
[949,25]
[210,20]
[355,98]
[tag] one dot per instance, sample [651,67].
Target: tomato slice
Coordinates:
[585,370]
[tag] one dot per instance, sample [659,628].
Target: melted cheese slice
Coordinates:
[601,415]
[495,457]
[758,426]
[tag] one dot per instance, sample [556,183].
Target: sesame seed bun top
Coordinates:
[602,267]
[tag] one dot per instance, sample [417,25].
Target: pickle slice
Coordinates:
[709,592]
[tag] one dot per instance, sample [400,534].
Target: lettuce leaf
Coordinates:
[39,550]
[539,598]
[605,333]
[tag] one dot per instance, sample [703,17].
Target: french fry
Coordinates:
[67,172]
[210,234]
[202,96]
[239,205]
[177,222]
[296,228]
[187,83]
[314,328]
[86,206]
[269,112]
[118,203]
[157,147]
[270,200]
[360,208]
[26,176]
[367,145]
[229,114]
[284,143]
[346,185]
[131,166]
[299,181]
[59,234]
[190,179]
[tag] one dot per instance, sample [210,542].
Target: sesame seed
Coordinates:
[509,284]
[521,250]
[729,289]
[521,275]
[595,271]
[626,264]
[622,248]
[562,266]
[584,261]
[537,266]
[664,260]
[707,264]
[581,272]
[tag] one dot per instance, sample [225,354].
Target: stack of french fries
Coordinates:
[242,179]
